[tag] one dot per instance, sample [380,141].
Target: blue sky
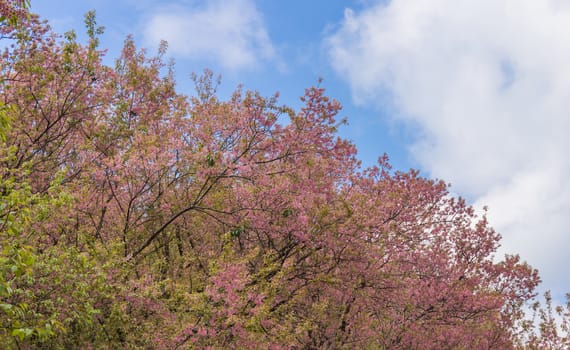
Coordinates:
[473,92]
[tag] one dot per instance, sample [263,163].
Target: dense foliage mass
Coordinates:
[134,217]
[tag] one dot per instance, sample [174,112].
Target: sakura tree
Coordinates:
[181,222]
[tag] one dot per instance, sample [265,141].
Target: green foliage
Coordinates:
[42,294]
[237,231]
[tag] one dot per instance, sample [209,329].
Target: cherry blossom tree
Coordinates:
[157,220]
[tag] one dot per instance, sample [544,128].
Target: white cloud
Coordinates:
[488,84]
[231,33]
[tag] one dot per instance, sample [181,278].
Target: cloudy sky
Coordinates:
[472,92]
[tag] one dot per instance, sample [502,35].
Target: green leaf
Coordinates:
[22,333]
[6,307]
[210,160]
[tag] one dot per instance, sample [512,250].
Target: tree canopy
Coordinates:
[132,216]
